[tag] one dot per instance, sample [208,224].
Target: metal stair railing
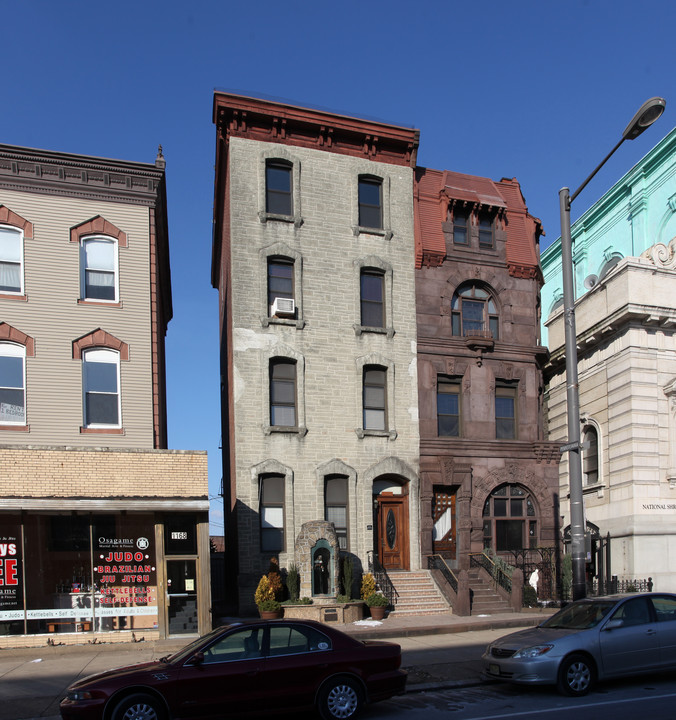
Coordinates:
[500,577]
[436,562]
[382,579]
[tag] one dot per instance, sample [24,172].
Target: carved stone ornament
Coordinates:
[662,255]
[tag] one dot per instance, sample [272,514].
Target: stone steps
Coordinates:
[417,594]
[485,600]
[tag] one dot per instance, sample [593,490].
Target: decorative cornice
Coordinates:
[53,173]
[267,121]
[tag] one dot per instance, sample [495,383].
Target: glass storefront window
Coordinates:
[11,577]
[90,572]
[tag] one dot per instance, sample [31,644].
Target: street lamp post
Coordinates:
[644,118]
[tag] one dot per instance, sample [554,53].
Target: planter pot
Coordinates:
[377,612]
[270,614]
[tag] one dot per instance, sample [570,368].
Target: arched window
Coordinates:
[510,519]
[335,506]
[282,392]
[370,201]
[590,455]
[101,388]
[278,187]
[11,260]
[375,398]
[98,263]
[474,312]
[12,384]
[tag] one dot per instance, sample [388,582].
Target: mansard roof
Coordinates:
[435,190]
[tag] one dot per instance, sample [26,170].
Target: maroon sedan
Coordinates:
[248,667]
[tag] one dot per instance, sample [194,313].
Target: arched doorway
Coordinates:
[391,522]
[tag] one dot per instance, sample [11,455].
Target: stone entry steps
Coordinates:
[484,599]
[417,594]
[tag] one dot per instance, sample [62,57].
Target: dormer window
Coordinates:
[460,227]
[486,226]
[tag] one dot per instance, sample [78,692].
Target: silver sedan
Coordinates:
[589,640]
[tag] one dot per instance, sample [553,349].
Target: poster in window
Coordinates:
[11,584]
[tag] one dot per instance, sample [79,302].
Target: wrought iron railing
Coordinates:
[382,579]
[500,577]
[436,562]
[615,585]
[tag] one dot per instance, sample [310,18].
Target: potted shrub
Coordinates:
[270,609]
[377,604]
[268,606]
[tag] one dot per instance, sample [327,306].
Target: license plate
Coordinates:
[494,669]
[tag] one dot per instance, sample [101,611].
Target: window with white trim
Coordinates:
[101,388]
[11,260]
[12,384]
[98,269]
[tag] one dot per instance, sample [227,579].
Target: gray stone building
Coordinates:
[313,258]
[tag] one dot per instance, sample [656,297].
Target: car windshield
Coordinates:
[188,650]
[580,615]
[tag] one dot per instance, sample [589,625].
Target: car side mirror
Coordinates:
[614,624]
[197,658]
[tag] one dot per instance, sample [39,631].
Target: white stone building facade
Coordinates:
[625,314]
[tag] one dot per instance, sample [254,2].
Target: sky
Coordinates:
[532,89]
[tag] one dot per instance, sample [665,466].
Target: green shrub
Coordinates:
[293,582]
[343,598]
[376,600]
[347,576]
[530,598]
[269,605]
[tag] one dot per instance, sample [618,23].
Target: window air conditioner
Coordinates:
[283,306]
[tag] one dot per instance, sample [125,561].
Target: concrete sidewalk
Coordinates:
[438,651]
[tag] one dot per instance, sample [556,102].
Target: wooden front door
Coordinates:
[444,533]
[393,531]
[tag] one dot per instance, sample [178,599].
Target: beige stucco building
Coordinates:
[100,523]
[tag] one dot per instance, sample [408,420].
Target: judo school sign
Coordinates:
[125,575]
[11,587]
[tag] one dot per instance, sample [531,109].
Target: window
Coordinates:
[278,187]
[335,507]
[372,283]
[485,231]
[508,514]
[285,640]
[283,393]
[101,381]
[448,407]
[280,280]
[99,269]
[590,456]
[239,645]
[370,202]
[12,384]
[474,312]
[272,513]
[460,228]
[374,394]
[11,260]
[505,410]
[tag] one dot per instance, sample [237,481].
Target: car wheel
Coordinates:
[576,675]
[339,699]
[139,707]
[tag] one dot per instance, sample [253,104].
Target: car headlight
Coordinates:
[532,652]
[78,695]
